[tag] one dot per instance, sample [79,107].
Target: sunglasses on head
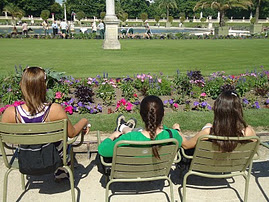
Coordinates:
[45,77]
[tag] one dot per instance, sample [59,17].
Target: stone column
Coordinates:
[218,16]
[5,14]
[112,23]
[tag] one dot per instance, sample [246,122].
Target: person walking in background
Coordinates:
[54,28]
[45,27]
[101,28]
[63,26]
[25,28]
[130,32]
[94,27]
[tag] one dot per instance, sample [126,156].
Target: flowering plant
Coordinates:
[201,106]
[123,106]
[171,104]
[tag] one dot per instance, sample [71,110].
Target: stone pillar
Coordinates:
[201,15]
[218,16]
[65,18]
[112,23]
[5,14]
[52,16]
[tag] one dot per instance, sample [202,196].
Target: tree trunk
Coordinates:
[221,21]
[167,13]
[257,14]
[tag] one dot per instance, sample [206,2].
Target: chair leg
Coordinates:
[6,184]
[246,187]
[71,179]
[171,189]
[107,190]
[72,159]
[22,182]
[184,186]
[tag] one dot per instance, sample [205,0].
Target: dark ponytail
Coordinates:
[152,112]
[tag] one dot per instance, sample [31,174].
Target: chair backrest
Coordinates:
[135,159]
[208,157]
[33,133]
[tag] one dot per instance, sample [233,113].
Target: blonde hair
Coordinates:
[33,87]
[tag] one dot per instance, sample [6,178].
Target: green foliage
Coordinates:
[123,16]
[102,15]
[45,14]
[182,84]
[157,18]
[144,16]
[242,87]
[170,19]
[261,85]
[107,93]
[80,15]
[127,90]
[212,87]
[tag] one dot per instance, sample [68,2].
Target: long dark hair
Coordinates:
[152,112]
[33,87]
[228,119]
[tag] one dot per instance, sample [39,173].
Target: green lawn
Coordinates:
[82,58]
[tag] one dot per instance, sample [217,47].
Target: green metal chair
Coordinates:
[133,161]
[208,161]
[30,134]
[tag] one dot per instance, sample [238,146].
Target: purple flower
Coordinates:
[187,102]
[267,102]
[203,104]
[137,103]
[209,107]
[165,102]
[71,101]
[196,103]
[245,101]
[80,104]
[88,107]
[257,105]
[171,101]
[99,107]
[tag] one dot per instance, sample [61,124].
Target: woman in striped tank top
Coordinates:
[36,109]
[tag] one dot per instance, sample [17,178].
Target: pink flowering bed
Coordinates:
[184,91]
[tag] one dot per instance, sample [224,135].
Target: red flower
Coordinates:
[135,95]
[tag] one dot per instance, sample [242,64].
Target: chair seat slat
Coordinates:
[131,175]
[140,167]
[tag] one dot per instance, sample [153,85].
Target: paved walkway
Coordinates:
[90,184]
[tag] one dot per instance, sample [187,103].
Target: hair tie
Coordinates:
[234,94]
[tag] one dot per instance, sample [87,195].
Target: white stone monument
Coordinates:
[201,15]
[218,16]
[112,23]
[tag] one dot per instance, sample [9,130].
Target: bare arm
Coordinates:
[189,144]
[58,113]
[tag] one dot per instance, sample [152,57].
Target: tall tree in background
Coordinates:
[167,4]
[258,6]
[222,6]
[34,7]
[57,9]
[14,11]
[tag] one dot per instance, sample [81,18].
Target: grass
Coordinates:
[82,58]
[189,121]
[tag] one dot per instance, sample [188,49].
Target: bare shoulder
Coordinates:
[9,115]
[250,131]
[56,112]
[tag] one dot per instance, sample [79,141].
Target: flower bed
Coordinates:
[184,91]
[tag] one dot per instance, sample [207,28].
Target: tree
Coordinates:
[144,16]
[80,15]
[45,14]
[222,6]
[34,7]
[14,11]
[167,4]
[257,12]
[157,18]
[57,9]
[123,16]
[102,15]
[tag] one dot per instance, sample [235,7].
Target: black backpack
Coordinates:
[38,159]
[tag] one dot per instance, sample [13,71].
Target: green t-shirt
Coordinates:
[106,147]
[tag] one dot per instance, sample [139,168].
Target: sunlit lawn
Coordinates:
[82,58]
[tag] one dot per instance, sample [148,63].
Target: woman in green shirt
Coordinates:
[152,112]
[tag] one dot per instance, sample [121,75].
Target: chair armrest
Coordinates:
[101,157]
[72,140]
[178,157]
[185,155]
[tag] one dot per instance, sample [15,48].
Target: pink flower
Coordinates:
[123,101]
[129,106]
[160,80]
[69,109]
[176,105]
[58,95]
[203,94]
[17,103]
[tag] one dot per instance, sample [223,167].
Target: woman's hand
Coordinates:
[86,129]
